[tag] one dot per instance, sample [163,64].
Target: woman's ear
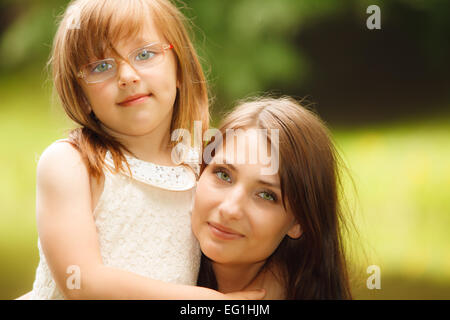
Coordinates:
[295,231]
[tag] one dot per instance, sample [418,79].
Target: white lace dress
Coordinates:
[143,224]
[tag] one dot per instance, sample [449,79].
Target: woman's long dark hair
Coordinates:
[313,266]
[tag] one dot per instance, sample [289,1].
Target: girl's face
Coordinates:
[155,85]
[238,216]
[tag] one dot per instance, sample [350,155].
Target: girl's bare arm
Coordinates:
[69,238]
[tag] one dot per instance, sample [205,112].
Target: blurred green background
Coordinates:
[384,93]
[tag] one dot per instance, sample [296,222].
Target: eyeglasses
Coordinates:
[142,58]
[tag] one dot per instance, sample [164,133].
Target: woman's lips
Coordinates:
[134,100]
[223,232]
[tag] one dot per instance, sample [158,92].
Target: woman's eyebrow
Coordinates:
[260,181]
[226,163]
[269,184]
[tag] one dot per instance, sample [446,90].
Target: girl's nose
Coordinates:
[127,75]
[233,204]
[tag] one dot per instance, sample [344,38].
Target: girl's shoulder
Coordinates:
[60,162]
[59,152]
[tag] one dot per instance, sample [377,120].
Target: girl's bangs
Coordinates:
[102,25]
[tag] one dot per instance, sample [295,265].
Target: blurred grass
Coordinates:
[401,172]
[28,124]
[402,176]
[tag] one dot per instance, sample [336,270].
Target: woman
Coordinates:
[280,231]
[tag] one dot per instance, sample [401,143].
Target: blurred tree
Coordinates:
[247,46]
[27,40]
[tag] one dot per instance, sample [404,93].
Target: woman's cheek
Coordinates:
[265,230]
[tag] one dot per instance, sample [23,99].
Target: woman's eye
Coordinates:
[223,176]
[102,67]
[144,55]
[267,196]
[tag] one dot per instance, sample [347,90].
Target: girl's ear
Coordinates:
[295,231]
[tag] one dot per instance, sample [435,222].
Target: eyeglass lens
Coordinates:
[140,59]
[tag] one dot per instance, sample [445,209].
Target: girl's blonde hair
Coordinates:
[88,29]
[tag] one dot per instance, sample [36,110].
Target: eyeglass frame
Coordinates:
[83,76]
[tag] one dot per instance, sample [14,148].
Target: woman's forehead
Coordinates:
[247,146]
[249,162]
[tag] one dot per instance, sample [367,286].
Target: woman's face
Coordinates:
[238,215]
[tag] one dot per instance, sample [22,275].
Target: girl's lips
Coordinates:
[220,232]
[134,100]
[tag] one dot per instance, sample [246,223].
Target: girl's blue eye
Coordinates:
[267,196]
[223,176]
[144,55]
[102,67]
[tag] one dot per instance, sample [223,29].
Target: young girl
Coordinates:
[113,211]
[282,231]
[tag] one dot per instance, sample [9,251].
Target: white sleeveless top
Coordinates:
[144,226]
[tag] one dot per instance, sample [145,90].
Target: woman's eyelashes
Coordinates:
[222,174]
[268,195]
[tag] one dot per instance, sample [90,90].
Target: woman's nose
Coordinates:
[233,204]
[127,75]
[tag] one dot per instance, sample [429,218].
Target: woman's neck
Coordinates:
[232,278]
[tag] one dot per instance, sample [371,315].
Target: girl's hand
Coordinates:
[26,296]
[246,295]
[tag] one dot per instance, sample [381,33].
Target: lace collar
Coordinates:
[179,178]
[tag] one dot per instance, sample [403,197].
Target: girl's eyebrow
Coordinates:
[141,42]
[138,44]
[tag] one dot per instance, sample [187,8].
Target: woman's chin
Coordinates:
[214,253]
